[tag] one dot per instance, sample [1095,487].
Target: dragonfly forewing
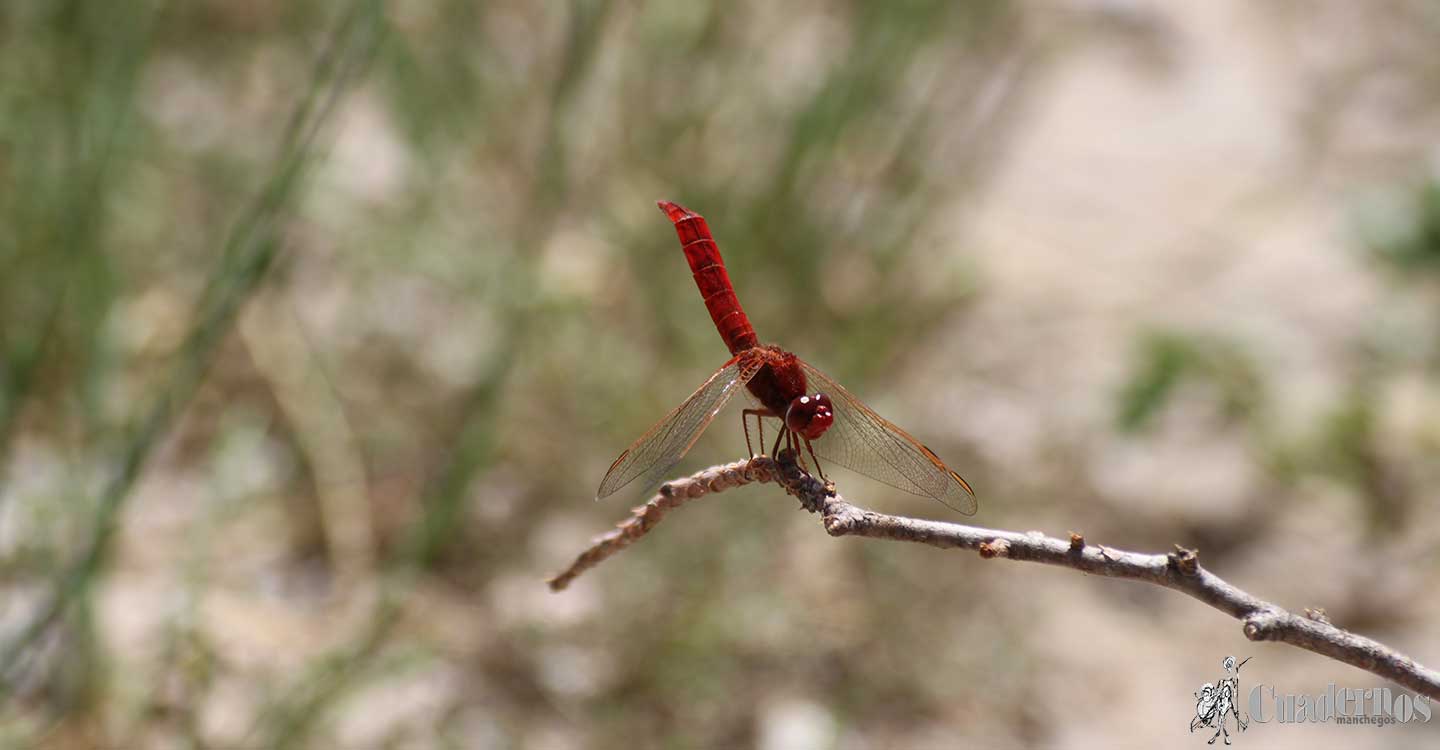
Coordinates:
[659,449]
[869,444]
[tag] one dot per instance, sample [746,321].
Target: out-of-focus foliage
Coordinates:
[1410,243]
[1346,440]
[1165,360]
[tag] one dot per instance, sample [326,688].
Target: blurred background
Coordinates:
[321,321]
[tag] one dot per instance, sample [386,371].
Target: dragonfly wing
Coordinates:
[670,439]
[867,443]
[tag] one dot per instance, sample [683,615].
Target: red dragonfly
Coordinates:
[829,421]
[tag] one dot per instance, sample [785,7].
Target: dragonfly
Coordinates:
[814,411]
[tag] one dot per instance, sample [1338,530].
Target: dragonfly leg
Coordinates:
[816,459]
[792,441]
[760,415]
[799,457]
[775,451]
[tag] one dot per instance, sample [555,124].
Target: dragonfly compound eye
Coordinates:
[810,416]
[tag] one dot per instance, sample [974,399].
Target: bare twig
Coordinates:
[1179,570]
[671,495]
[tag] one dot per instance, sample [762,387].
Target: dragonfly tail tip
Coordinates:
[674,210]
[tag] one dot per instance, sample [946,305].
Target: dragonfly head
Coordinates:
[810,416]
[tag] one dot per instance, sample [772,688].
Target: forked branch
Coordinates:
[1179,570]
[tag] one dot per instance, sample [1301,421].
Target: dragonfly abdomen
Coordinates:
[711,278]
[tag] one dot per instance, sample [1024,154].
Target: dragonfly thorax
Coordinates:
[810,415]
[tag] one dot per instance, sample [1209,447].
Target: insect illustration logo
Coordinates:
[1216,703]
